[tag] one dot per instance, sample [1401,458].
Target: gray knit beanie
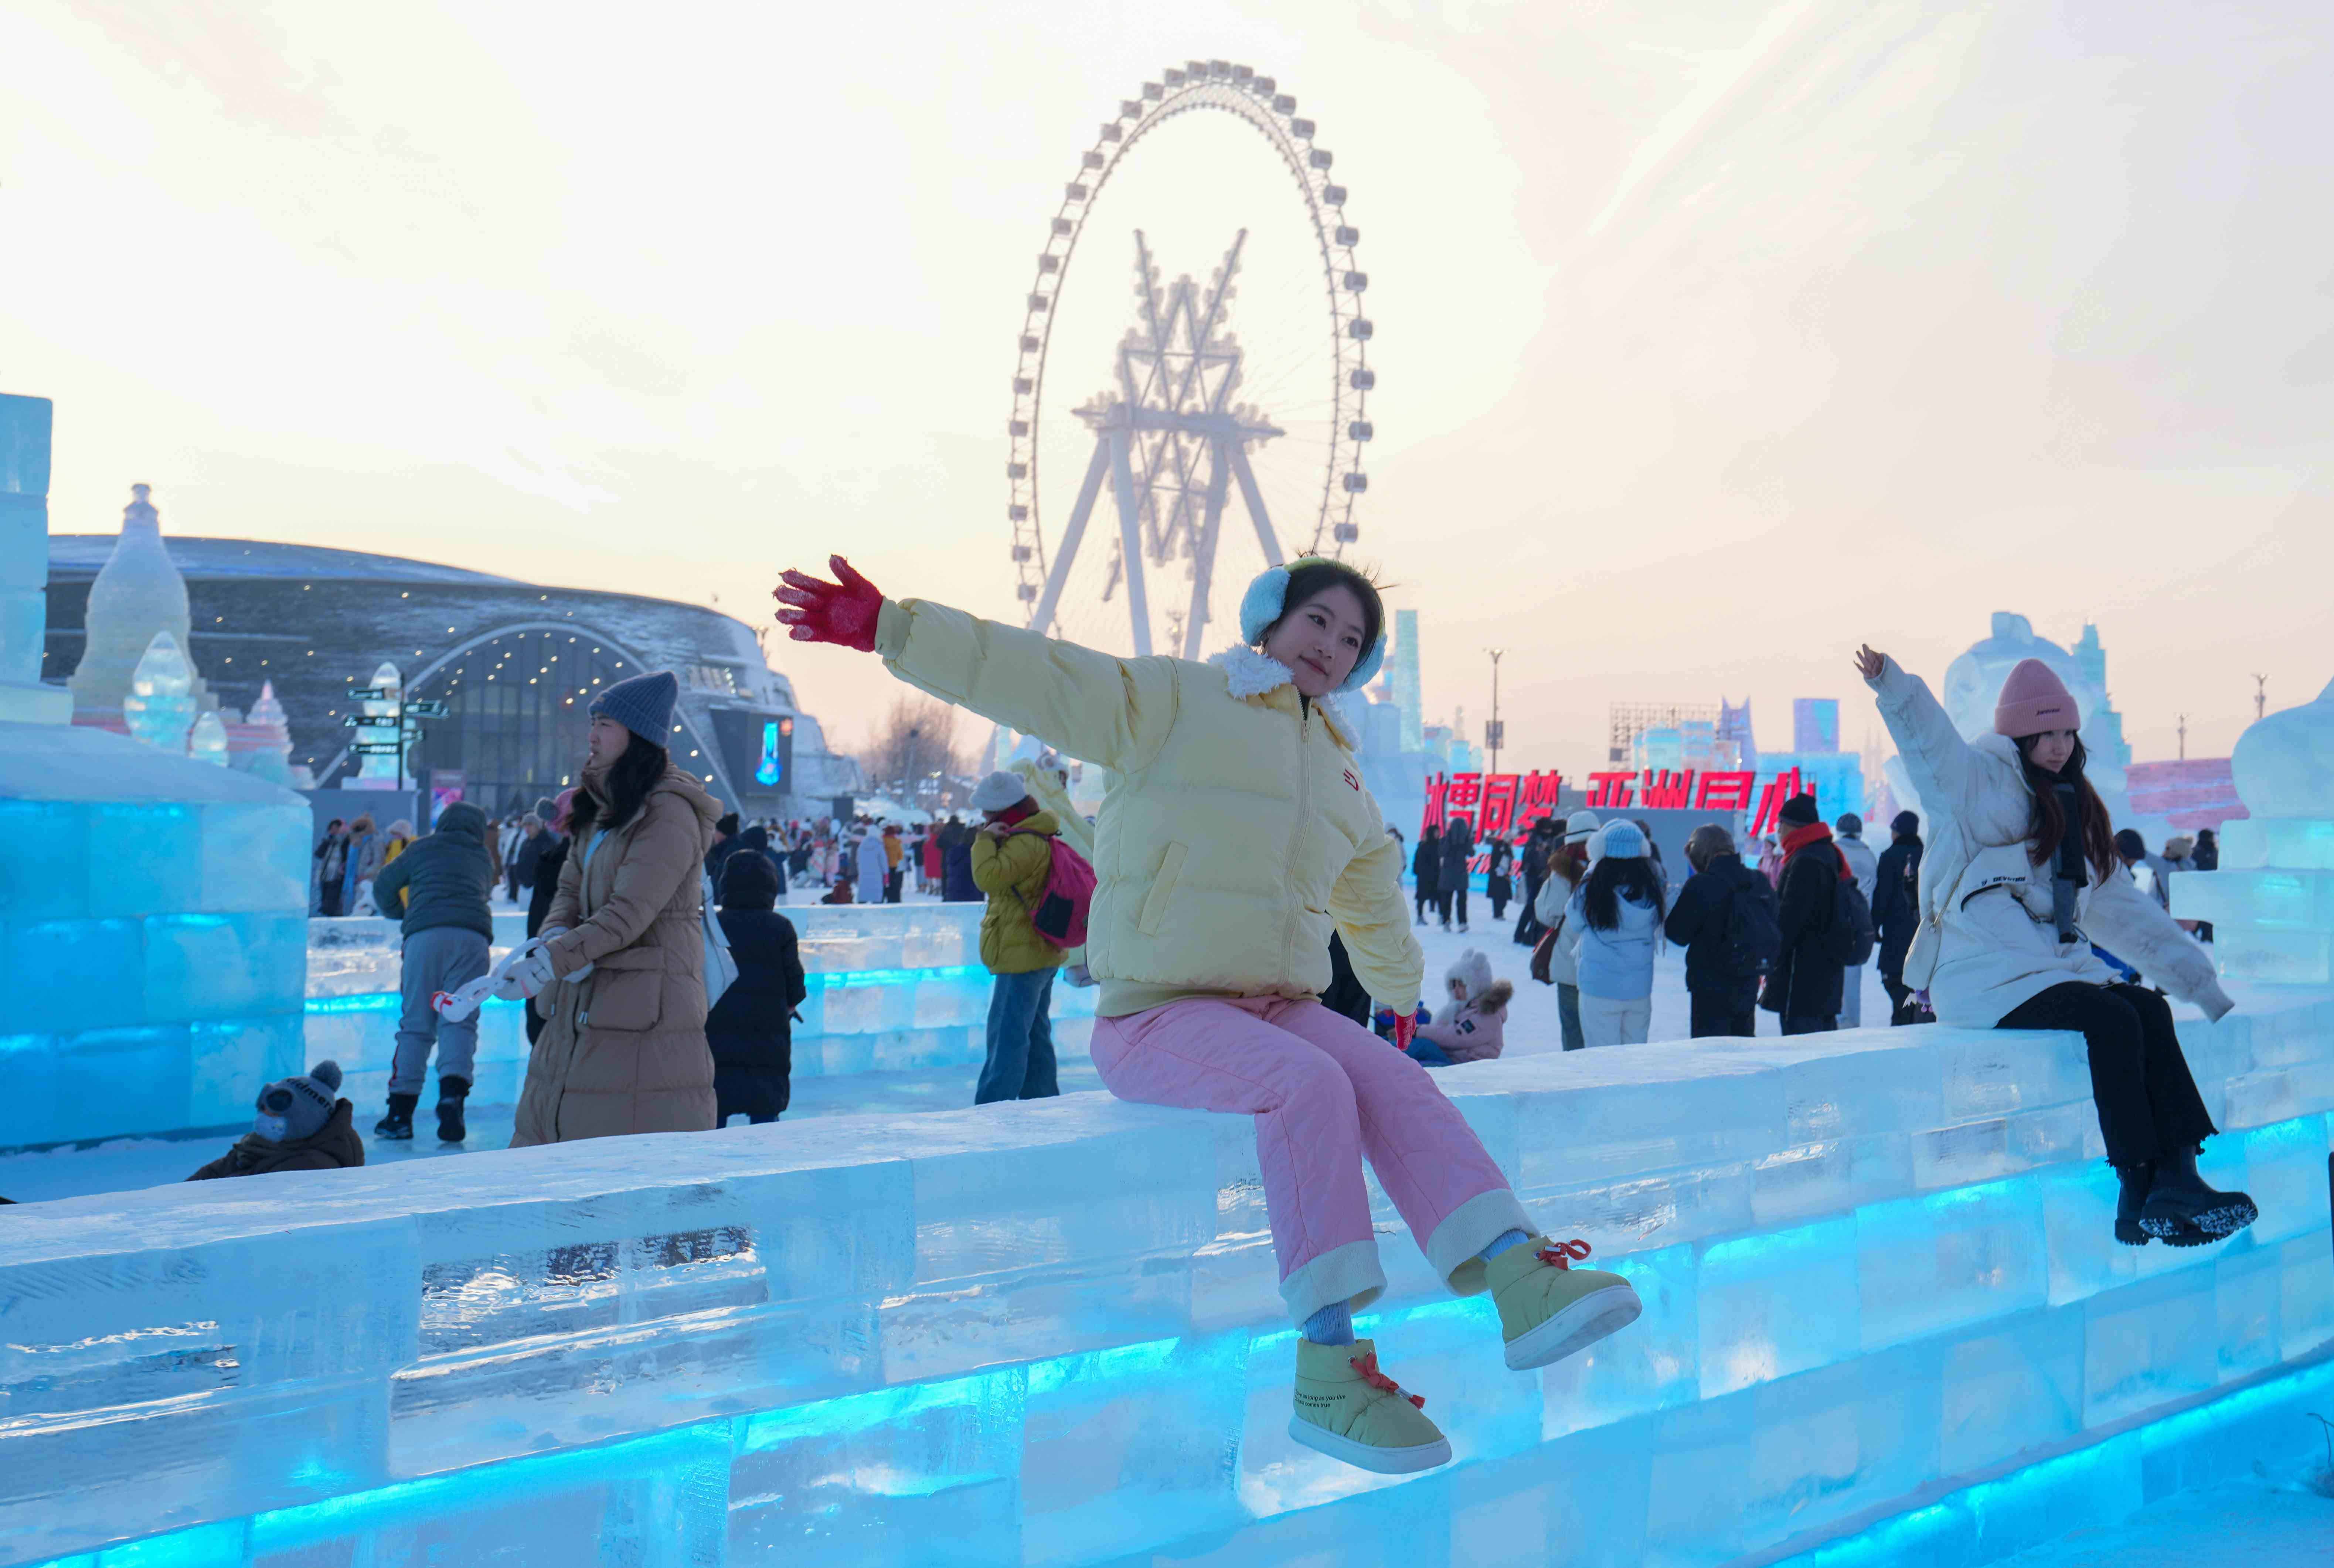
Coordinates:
[643,704]
[292,1109]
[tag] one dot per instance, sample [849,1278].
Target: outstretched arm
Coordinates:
[2136,929]
[1112,711]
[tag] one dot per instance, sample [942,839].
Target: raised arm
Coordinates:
[1112,711]
[1370,912]
[1939,760]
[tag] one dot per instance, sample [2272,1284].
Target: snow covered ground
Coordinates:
[2243,1525]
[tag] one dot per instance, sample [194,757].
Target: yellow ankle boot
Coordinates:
[1549,1309]
[1350,1411]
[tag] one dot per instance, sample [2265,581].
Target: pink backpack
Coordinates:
[1060,916]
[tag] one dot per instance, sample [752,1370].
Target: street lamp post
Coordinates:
[1495,732]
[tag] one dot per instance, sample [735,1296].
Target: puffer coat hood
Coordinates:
[1237,833]
[1986,942]
[623,1049]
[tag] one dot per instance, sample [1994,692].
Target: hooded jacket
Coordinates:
[1012,872]
[623,1048]
[1986,941]
[1475,1030]
[445,878]
[1237,832]
[334,1146]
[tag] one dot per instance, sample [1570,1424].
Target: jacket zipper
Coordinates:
[1296,844]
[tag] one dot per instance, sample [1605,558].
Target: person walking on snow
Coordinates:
[1724,908]
[1567,868]
[1236,835]
[1475,1028]
[621,980]
[1498,886]
[1896,910]
[441,889]
[1427,870]
[1451,886]
[1847,838]
[872,869]
[1617,911]
[1805,987]
[1539,845]
[331,858]
[1011,859]
[2020,878]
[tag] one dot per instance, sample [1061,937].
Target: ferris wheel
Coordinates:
[1168,409]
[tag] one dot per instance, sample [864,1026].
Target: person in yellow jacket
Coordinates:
[1012,856]
[1236,835]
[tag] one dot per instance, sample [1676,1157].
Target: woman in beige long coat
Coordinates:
[621,979]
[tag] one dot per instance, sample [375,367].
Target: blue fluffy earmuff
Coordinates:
[1262,605]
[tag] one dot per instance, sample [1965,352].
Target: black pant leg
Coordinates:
[1460,895]
[2172,1101]
[2116,1042]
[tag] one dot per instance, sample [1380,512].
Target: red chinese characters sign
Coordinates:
[1511,803]
[1499,803]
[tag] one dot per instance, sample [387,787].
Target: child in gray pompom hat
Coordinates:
[302,1125]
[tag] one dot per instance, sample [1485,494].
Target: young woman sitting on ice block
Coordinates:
[1236,835]
[2019,879]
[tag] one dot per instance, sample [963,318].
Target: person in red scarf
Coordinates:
[1804,985]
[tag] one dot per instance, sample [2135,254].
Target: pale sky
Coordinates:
[1712,337]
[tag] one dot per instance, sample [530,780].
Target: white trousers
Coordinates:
[1606,1022]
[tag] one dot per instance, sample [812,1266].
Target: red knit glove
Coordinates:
[1405,1030]
[843,611]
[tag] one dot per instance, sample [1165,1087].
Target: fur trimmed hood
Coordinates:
[1249,674]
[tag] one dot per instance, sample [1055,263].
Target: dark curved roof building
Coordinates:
[515,664]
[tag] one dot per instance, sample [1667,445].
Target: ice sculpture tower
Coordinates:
[153,910]
[2271,902]
[138,593]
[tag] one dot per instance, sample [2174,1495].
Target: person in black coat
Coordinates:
[751,1028]
[1498,885]
[957,886]
[1897,908]
[1458,849]
[1722,1000]
[550,859]
[1538,848]
[1426,870]
[1807,983]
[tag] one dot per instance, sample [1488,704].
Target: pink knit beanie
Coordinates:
[2034,699]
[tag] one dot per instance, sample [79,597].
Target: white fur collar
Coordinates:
[1248,673]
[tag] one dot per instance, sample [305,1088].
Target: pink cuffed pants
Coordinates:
[1325,1093]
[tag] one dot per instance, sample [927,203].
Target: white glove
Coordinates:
[532,973]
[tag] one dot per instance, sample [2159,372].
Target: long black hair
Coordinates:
[627,782]
[2095,833]
[1611,880]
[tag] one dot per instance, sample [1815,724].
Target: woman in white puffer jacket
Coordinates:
[2020,877]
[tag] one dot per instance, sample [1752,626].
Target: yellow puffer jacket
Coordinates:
[1012,870]
[1236,833]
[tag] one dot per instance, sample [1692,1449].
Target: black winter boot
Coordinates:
[2134,1182]
[2180,1202]
[398,1122]
[451,1092]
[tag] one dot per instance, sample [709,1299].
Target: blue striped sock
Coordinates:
[1332,1325]
[1505,1239]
